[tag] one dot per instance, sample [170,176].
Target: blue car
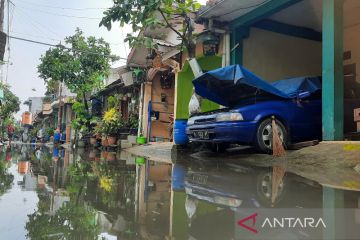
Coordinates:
[250,104]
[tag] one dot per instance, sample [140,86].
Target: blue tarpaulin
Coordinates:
[229,85]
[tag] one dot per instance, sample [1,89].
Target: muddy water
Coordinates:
[52,193]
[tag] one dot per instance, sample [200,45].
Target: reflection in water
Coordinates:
[52,193]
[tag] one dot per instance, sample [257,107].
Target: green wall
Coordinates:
[185,86]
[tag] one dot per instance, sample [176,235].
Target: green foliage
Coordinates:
[47,99]
[133,121]
[83,119]
[82,67]
[142,14]
[69,222]
[50,131]
[10,105]
[34,131]
[6,178]
[52,86]
[113,101]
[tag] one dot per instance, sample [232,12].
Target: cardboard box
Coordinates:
[357,115]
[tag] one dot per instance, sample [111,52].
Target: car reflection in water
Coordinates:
[248,187]
[219,195]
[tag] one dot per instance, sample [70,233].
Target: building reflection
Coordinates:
[154,199]
[121,196]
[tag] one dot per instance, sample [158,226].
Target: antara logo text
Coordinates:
[249,223]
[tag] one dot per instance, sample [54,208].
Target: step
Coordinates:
[125,144]
[132,139]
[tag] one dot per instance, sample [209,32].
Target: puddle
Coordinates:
[88,194]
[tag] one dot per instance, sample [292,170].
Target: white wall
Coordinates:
[273,56]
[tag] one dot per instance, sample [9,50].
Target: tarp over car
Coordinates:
[227,86]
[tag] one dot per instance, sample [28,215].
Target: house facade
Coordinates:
[279,39]
[157,69]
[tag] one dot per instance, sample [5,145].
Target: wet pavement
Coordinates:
[52,193]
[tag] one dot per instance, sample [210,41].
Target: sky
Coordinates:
[50,21]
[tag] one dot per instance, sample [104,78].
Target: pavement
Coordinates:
[331,164]
[157,151]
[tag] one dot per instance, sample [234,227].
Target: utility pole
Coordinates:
[2,14]
[2,37]
[60,112]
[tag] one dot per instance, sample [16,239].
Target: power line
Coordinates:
[35,36]
[61,46]
[60,15]
[53,39]
[35,23]
[58,7]
[30,25]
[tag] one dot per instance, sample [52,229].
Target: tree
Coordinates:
[10,105]
[142,14]
[82,66]
[6,178]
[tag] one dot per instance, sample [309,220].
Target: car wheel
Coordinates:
[265,188]
[264,136]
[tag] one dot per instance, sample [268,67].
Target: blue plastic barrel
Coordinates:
[178,178]
[180,136]
[56,152]
[57,136]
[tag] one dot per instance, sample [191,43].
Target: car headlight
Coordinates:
[190,121]
[229,117]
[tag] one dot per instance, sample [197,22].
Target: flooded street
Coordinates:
[51,193]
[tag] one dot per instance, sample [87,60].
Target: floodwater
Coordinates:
[52,193]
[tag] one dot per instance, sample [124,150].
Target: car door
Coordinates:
[306,121]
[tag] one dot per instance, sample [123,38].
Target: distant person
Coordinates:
[10,132]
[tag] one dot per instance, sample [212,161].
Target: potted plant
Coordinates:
[104,141]
[96,133]
[111,125]
[92,140]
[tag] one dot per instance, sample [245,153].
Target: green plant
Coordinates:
[83,119]
[50,131]
[112,122]
[34,131]
[112,102]
[143,14]
[9,105]
[133,121]
[98,128]
[47,99]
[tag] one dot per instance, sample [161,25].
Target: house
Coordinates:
[157,95]
[34,104]
[167,86]
[279,39]
[124,89]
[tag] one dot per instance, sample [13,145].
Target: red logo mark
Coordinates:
[242,222]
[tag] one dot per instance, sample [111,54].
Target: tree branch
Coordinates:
[171,27]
